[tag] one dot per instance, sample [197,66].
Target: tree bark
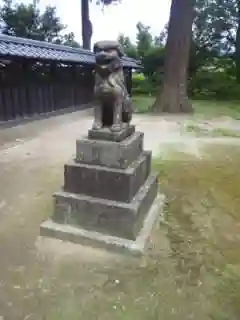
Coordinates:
[173,95]
[86,25]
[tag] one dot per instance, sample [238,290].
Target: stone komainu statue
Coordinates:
[113,106]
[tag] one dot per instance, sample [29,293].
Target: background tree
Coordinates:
[143,44]
[129,48]
[26,21]
[144,39]
[86,22]
[69,40]
[20,20]
[236,9]
[49,25]
[173,96]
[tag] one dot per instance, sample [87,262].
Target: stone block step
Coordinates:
[77,235]
[107,183]
[107,134]
[110,153]
[109,217]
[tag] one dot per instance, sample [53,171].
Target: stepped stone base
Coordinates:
[107,183]
[99,240]
[111,217]
[111,155]
[109,197]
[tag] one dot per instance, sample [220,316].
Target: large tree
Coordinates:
[86,22]
[86,25]
[173,95]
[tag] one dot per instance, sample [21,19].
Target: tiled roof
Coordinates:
[32,49]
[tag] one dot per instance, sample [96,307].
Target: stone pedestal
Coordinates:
[109,197]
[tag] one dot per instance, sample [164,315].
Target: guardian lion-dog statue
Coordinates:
[113,107]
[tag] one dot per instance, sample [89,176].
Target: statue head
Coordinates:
[108,54]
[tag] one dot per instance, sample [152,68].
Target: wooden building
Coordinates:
[41,78]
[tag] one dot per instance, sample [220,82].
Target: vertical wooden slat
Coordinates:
[23,99]
[32,99]
[40,100]
[45,98]
[29,89]
[7,103]
[51,97]
[15,101]
[2,109]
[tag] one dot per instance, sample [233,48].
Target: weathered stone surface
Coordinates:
[106,134]
[107,183]
[109,217]
[108,153]
[91,238]
[113,107]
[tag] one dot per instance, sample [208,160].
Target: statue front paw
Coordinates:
[116,128]
[97,125]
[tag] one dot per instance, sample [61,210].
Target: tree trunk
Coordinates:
[173,96]
[237,53]
[86,25]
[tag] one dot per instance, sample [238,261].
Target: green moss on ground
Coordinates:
[191,270]
[201,131]
[207,109]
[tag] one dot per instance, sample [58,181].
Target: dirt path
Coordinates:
[31,170]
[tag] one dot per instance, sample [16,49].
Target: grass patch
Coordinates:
[223,132]
[142,103]
[207,109]
[196,129]
[186,273]
[213,109]
[202,131]
[203,224]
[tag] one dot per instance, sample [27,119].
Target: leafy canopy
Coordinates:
[26,21]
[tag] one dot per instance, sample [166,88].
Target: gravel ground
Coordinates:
[31,170]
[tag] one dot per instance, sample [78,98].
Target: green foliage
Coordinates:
[19,20]
[49,25]
[212,67]
[68,40]
[129,48]
[141,85]
[151,53]
[144,39]
[142,103]
[214,85]
[153,62]
[214,24]
[26,21]
[143,44]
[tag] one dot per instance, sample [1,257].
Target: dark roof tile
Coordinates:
[21,47]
